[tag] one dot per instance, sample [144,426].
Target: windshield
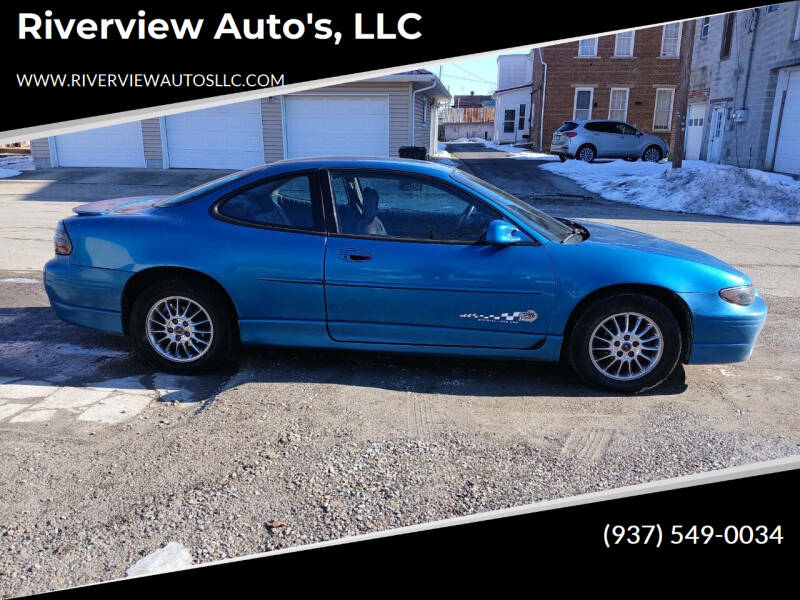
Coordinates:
[204,188]
[543,223]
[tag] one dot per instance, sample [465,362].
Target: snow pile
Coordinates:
[8,173]
[698,187]
[443,156]
[510,149]
[172,557]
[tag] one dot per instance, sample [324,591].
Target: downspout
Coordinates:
[750,58]
[544,92]
[414,108]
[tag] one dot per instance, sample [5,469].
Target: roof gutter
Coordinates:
[544,95]
[414,107]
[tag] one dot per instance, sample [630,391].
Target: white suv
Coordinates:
[597,138]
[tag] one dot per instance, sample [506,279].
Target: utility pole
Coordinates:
[678,132]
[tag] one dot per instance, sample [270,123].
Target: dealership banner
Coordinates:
[403,298]
[68,62]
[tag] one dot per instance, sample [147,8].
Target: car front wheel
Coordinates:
[625,343]
[652,154]
[181,326]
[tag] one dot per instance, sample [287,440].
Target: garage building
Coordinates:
[371,118]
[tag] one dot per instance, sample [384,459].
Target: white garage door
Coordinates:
[336,126]
[787,150]
[115,146]
[222,137]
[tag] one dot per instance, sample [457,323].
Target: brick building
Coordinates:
[631,76]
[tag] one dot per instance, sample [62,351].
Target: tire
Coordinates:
[652,154]
[207,339]
[597,364]
[562,158]
[586,153]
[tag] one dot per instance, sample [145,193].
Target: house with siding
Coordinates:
[632,76]
[369,118]
[513,98]
[744,90]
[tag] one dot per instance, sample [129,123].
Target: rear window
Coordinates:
[568,126]
[205,188]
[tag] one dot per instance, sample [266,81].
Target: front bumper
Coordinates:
[87,296]
[723,332]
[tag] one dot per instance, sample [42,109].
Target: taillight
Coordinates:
[61,240]
[570,134]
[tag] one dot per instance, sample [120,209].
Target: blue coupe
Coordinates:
[398,256]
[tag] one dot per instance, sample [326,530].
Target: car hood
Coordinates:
[118,205]
[611,235]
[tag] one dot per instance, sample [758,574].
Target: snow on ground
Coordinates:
[443,156]
[172,557]
[8,173]
[510,149]
[698,187]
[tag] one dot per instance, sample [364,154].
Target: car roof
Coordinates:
[359,162]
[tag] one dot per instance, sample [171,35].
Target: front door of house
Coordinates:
[509,125]
[716,134]
[694,130]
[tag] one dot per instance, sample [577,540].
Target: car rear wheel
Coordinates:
[652,154]
[181,326]
[625,343]
[586,153]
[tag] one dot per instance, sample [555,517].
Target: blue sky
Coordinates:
[477,75]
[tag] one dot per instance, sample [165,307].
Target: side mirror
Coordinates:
[502,233]
[639,134]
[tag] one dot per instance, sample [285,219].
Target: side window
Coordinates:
[287,202]
[626,129]
[399,205]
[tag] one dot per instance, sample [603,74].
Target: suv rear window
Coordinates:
[567,126]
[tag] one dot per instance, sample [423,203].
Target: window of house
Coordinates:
[623,45]
[705,25]
[618,104]
[671,39]
[405,206]
[424,113]
[727,35]
[508,121]
[587,47]
[286,202]
[662,118]
[583,104]
[522,116]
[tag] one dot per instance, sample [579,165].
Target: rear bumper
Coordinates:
[86,296]
[723,332]
[556,148]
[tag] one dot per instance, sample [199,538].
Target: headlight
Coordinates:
[61,239]
[742,295]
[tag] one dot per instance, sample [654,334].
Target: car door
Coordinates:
[266,246]
[627,141]
[599,136]
[406,265]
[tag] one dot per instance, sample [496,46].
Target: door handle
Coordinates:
[355,255]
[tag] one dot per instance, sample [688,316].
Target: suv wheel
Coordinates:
[586,154]
[652,154]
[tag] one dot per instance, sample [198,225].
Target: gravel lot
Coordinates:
[106,461]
